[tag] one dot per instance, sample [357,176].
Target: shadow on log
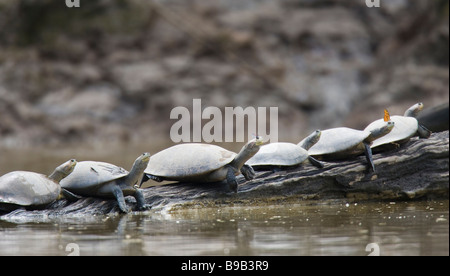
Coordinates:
[418,169]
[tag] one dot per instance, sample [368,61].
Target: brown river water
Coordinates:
[303,228]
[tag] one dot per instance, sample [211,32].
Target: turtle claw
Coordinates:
[234,187]
[124,210]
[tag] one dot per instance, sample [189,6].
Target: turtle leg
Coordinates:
[423,131]
[118,194]
[145,178]
[396,145]
[140,200]
[69,195]
[248,172]
[315,162]
[369,157]
[152,177]
[231,180]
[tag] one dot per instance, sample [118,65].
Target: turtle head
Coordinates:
[68,167]
[251,148]
[63,170]
[247,152]
[311,140]
[142,160]
[414,110]
[380,132]
[137,170]
[389,126]
[253,145]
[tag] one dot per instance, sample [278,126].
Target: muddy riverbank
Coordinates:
[111,71]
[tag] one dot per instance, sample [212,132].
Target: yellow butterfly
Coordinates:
[387,117]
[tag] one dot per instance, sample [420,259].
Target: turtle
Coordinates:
[30,190]
[202,163]
[344,142]
[105,180]
[406,126]
[435,118]
[277,155]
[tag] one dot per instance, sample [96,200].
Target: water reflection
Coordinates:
[337,228]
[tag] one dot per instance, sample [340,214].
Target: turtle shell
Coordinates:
[188,160]
[27,189]
[90,175]
[341,139]
[279,154]
[404,128]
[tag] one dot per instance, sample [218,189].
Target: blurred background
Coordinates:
[100,80]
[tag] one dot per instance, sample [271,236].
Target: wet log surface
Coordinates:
[418,169]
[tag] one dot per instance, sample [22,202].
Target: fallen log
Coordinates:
[418,169]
